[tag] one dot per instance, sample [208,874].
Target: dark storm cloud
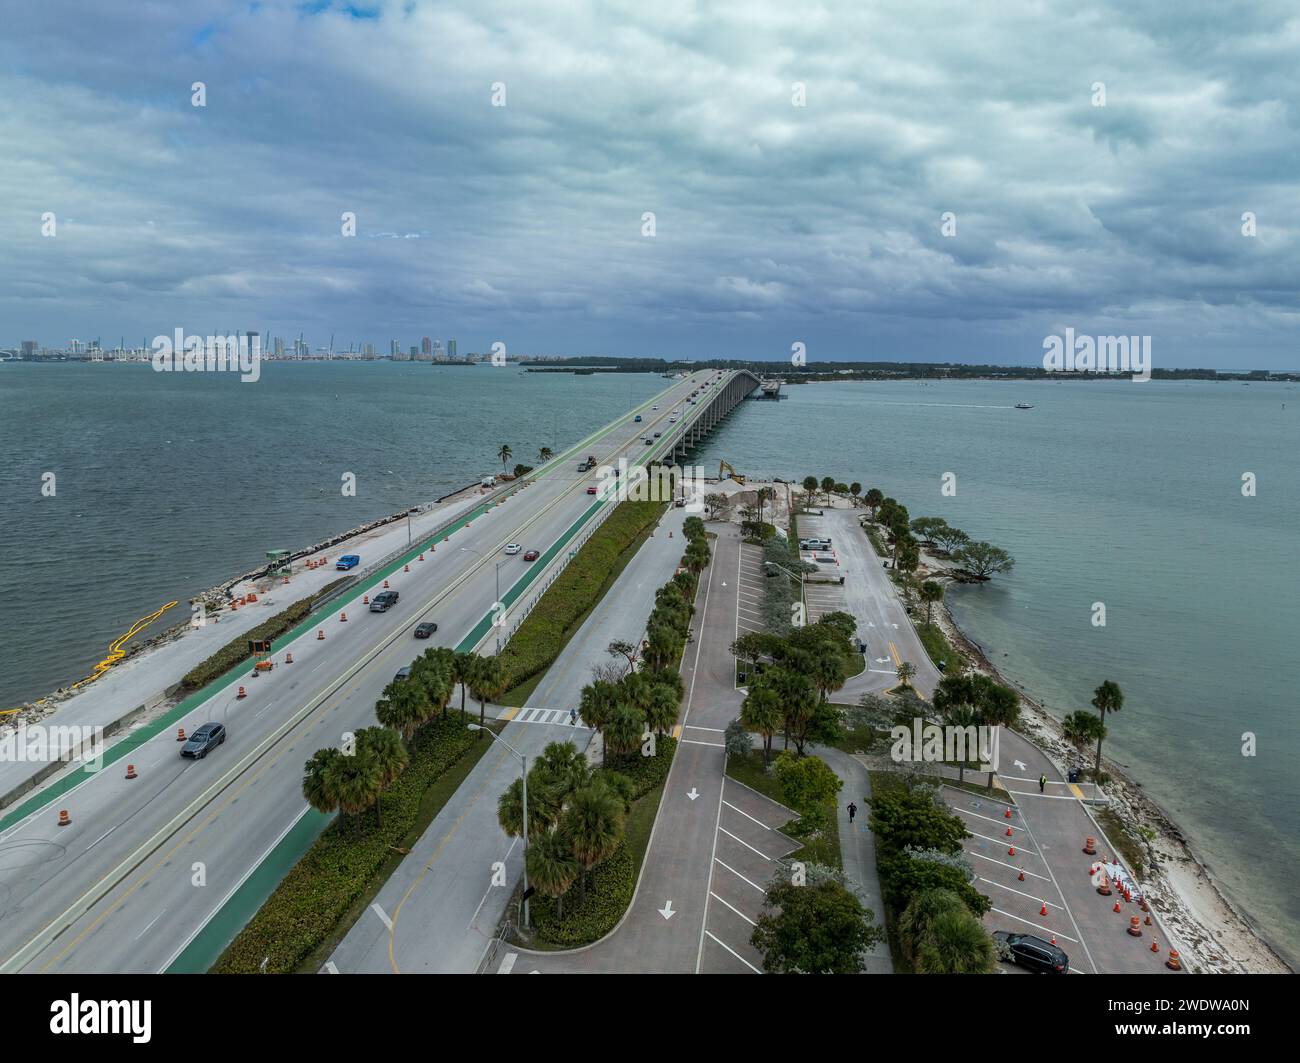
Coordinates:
[775,223]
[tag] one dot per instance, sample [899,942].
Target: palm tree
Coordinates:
[761,712]
[359,781]
[660,709]
[544,455]
[623,729]
[855,489]
[1106,698]
[963,716]
[552,867]
[663,643]
[826,670]
[828,485]
[810,486]
[504,455]
[319,782]
[1081,728]
[405,707]
[385,748]
[931,592]
[593,823]
[543,809]
[918,917]
[462,668]
[596,702]
[488,681]
[873,498]
[957,944]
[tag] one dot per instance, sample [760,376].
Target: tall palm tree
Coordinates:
[544,455]
[761,712]
[405,707]
[660,709]
[552,867]
[462,668]
[594,824]
[918,917]
[623,728]
[488,682]
[504,455]
[931,592]
[828,485]
[957,944]
[596,702]
[873,498]
[359,781]
[385,748]
[855,489]
[319,782]
[1106,698]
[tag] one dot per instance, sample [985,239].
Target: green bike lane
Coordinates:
[203,950]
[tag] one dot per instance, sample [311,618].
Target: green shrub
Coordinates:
[646,772]
[542,635]
[609,891]
[307,905]
[236,650]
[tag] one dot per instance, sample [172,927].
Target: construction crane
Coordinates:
[730,471]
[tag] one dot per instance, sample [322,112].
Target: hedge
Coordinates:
[236,650]
[647,772]
[316,894]
[542,635]
[609,891]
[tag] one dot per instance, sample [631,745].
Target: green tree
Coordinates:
[660,709]
[623,728]
[855,489]
[919,916]
[905,673]
[873,498]
[504,455]
[596,703]
[951,539]
[461,667]
[806,782]
[828,485]
[815,929]
[544,454]
[957,944]
[810,486]
[931,592]
[983,560]
[405,707]
[319,781]
[1081,728]
[761,712]
[487,682]
[552,867]
[384,747]
[1106,698]
[593,823]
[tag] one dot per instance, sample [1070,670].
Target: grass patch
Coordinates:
[937,645]
[571,598]
[823,848]
[344,862]
[1130,849]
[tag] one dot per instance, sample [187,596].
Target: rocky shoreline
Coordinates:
[1214,936]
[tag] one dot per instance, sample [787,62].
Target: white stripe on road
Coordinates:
[1040,900]
[746,815]
[1002,840]
[1003,863]
[693,742]
[383,915]
[746,844]
[740,876]
[1045,930]
[734,953]
[733,908]
[330,968]
[508,963]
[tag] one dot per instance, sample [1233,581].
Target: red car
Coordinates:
[591,490]
[531,555]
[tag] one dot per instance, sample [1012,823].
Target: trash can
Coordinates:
[1074,775]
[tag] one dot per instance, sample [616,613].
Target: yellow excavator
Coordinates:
[722,465]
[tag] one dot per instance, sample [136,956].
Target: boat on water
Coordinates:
[1023,406]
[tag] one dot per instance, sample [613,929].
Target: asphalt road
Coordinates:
[147,862]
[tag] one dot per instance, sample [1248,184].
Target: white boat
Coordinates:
[1023,406]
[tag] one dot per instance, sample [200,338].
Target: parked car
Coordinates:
[1033,953]
[383,601]
[423,631]
[637,419]
[591,490]
[513,548]
[203,741]
[402,673]
[348,561]
[532,555]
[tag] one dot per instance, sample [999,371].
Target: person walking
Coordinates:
[573,717]
[853,811]
[1042,782]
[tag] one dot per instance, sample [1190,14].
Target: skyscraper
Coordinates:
[426,346]
[451,349]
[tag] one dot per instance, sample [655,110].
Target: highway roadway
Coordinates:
[147,862]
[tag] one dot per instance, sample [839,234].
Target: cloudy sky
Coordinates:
[774,223]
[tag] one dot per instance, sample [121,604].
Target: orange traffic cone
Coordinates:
[1053,939]
[1007,813]
[406,568]
[1172,963]
[130,771]
[242,694]
[1011,851]
[1135,927]
[288,658]
[421,557]
[64,818]
[1116,908]
[1147,921]
[343,618]
[385,584]
[180,734]
[252,598]
[1155,947]
[1090,847]
[286,581]
[1021,877]
[1008,832]
[1104,886]
[1043,909]
[365,599]
[320,635]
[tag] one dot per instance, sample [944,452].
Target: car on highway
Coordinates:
[1032,953]
[402,673]
[203,741]
[423,631]
[672,420]
[636,419]
[348,561]
[513,548]
[591,490]
[383,601]
[648,441]
[658,434]
[654,407]
[532,555]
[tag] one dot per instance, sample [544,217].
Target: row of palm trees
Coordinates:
[828,486]
[353,778]
[504,454]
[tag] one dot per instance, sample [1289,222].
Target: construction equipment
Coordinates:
[722,465]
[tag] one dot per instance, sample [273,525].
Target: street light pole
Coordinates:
[523,760]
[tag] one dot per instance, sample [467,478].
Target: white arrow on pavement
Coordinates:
[667,910]
[1020,764]
[882,660]
[693,794]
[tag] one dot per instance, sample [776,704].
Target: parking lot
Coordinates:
[747,848]
[749,607]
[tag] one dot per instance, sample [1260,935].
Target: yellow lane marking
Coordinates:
[510,714]
[1075,790]
[677,731]
[893,652]
[392,929]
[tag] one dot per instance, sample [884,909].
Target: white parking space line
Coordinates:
[733,908]
[742,877]
[1003,863]
[734,952]
[1043,929]
[1037,900]
[746,844]
[746,815]
[694,742]
[1019,850]
[697,727]
[991,819]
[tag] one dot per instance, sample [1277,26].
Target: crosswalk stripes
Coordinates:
[557,717]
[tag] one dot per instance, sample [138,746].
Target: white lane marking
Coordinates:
[746,815]
[1043,929]
[693,742]
[733,908]
[697,727]
[151,923]
[330,967]
[1003,840]
[508,963]
[1003,863]
[1022,893]
[733,952]
[740,876]
[991,819]
[383,916]
[745,844]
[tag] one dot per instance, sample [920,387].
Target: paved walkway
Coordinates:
[858,847]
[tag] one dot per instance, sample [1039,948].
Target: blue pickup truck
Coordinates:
[348,561]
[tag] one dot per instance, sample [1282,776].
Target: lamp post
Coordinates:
[497,602]
[523,761]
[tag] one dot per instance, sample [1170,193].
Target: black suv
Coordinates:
[203,741]
[1034,953]
[381,601]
